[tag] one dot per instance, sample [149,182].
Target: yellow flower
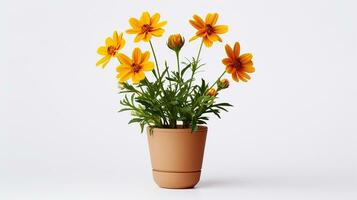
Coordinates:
[208,29]
[238,65]
[146,27]
[111,48]
[134,67]
[175,42]
[212,92]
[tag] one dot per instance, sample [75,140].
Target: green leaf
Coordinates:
[124,109]
[135,120]
[185,69]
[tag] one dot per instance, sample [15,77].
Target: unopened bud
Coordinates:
[212,92]
[175,42]
[223,83]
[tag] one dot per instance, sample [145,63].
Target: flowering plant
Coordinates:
[173,97]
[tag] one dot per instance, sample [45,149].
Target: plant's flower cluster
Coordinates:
[172,98]
[148,26]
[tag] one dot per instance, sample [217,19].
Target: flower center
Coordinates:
[136,67]
[209,29]
[145,28]
[237,64]
[111,50]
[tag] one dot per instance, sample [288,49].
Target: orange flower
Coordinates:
[111,48]
[208,29]
[238,65]
[134,68]
[146,27]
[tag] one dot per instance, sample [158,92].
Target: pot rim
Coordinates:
[200,128]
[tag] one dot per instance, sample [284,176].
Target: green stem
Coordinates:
[178,62]
[142,91]
[157,67]
[217,80]
[153,52]
[199,51]
[196,63]
[168,73]
[163,118]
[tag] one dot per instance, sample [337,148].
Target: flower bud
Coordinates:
[212,92]
[175,42]
[223,84]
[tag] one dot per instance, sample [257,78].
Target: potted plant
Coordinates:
[168,98]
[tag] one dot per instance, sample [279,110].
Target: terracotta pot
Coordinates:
[176,156]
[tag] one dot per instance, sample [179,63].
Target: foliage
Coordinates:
[171,99]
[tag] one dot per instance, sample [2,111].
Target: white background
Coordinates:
[291,135]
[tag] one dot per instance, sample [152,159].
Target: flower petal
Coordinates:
[159,25]
[249,69]
[122,44]
[214,37]
[208,18]
[145,56]
[115,37]
[207,42]
[145,18]
[137,77]
[214,19]
[135,23]
[229,52]
[227,61]
[236,49]
[243,74]
[196,25]
[147,66]
[211,18]
[219,38]
[235,76]
[124,76]
[136,55]
[132,31]
[139,37]
[199,20]
[201,32]
[147,37]
[103,61]
[124,59]
[220,29]
[123,68]
[102,51]
[241,77]
[248,64]
[229,69]
[193,38]
[157,32]
[109,42]
[244,58]
[155,19]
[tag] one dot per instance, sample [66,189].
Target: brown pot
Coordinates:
[176,156]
